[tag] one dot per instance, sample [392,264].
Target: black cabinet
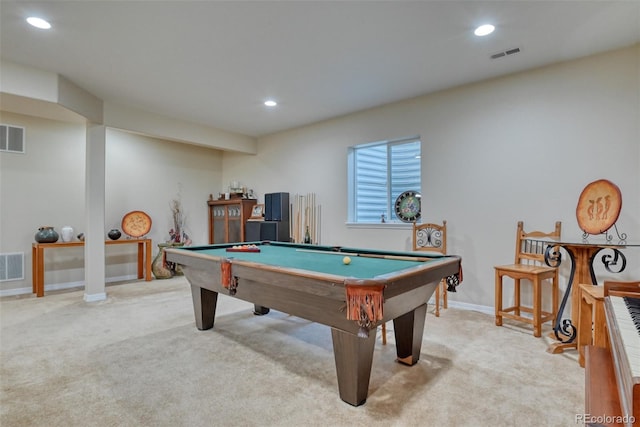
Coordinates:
[277,231]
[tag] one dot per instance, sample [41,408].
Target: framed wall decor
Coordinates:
[257,213]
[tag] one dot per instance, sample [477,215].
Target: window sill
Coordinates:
[379,225]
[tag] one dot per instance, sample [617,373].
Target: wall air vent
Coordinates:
[11,139]
[504,53]
[11,266]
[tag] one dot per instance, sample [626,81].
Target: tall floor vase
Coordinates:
[159,267]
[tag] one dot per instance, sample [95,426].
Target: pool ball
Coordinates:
[346,260]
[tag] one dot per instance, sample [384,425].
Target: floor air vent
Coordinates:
[11,267]
[11,139]
[505,53]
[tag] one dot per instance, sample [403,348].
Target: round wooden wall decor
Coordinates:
[136,224]
[598,206]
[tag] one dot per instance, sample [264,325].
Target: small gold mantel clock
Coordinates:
[136,224]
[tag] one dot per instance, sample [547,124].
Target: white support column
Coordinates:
[94,248]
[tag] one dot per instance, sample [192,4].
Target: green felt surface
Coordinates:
[329,262]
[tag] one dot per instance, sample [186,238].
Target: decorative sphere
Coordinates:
[346,260]
[114,234]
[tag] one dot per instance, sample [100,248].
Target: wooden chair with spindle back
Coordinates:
[529,265]
[429,237]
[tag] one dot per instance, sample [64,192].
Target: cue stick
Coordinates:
[292,221]
[396,257]
[294,234]
[317,251]
[319,223]
[301,224]
[315,234]
[310,203]
[356,254]
[309,212]
[298,218]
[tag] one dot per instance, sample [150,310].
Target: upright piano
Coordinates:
[613,377]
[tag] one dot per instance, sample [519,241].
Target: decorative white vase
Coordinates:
[67,233]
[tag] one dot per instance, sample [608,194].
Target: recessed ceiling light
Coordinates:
[484,30]
[270,103]
[38,23]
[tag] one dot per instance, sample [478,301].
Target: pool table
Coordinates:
[314,282]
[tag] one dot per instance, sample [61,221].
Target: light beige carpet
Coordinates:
[137,359]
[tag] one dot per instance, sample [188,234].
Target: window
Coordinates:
[378,173]
[12,139]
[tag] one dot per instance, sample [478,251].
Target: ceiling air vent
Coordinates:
[505,53]
[11,139]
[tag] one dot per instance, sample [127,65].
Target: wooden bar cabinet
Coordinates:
[227,219]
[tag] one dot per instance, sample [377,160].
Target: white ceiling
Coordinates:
[215,62]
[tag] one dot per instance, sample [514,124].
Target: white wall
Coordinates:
[516,148]
[146,174]
[45,186]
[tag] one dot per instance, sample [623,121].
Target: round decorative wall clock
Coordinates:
[598,206]
[407,206]
[136,224]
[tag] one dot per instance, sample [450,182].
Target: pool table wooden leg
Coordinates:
[408,330]
[259,310]
[204,306]
[354,357]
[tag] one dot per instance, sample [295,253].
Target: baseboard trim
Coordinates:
[95,297]
[61,286]
[472,307]
[466,306]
